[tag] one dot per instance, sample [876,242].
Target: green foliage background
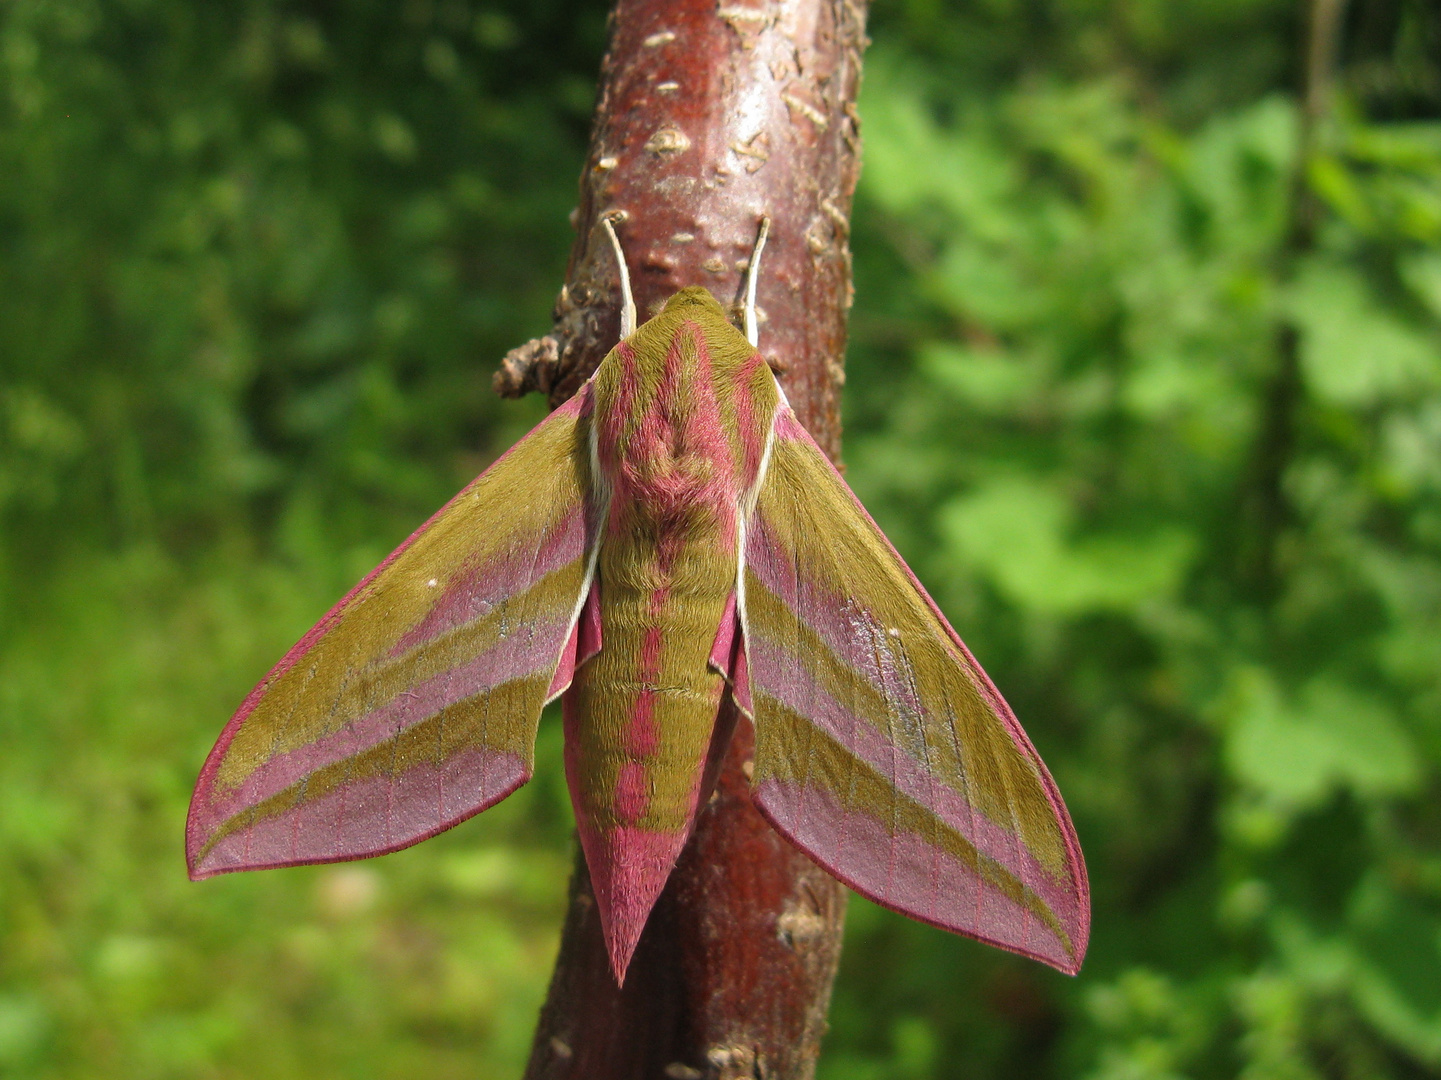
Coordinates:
[1171,464]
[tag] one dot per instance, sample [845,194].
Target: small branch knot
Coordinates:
[532,366]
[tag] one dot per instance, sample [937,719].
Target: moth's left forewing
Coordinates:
[413,704]
[882,750]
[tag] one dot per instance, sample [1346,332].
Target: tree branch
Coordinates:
[712,115]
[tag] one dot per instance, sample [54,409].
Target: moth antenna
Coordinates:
[627,301]
[752,274]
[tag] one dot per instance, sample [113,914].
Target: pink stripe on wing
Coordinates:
[472,592]
[584,643]
[789,429]
[854,635]
[905,872]
[512,658]
[372,815]
[565,670]
[792,682]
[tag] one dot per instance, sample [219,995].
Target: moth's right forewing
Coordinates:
[413,704]
[882,750]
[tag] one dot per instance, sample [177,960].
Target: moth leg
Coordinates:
[752,274]
[627,301]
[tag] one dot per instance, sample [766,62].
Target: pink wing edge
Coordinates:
[569,658]
[788,426]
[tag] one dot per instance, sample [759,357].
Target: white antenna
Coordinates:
[752,273]
[627,301]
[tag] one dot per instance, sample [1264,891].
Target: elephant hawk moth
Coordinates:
[668,536]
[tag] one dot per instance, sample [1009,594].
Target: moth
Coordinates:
[669,536]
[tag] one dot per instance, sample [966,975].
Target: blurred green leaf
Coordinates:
[1332,736]
[1019,534]
[1354,351]
[1398,951]
[23,1028]
[989,379]
[1421,270]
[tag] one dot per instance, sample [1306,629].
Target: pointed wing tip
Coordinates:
[200,865]
[1069,966]
[195,853]
[201,873]
[1068,948]
[201,868]
[1070,963]
[1067,960]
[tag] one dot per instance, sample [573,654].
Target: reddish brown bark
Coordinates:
[712,114]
